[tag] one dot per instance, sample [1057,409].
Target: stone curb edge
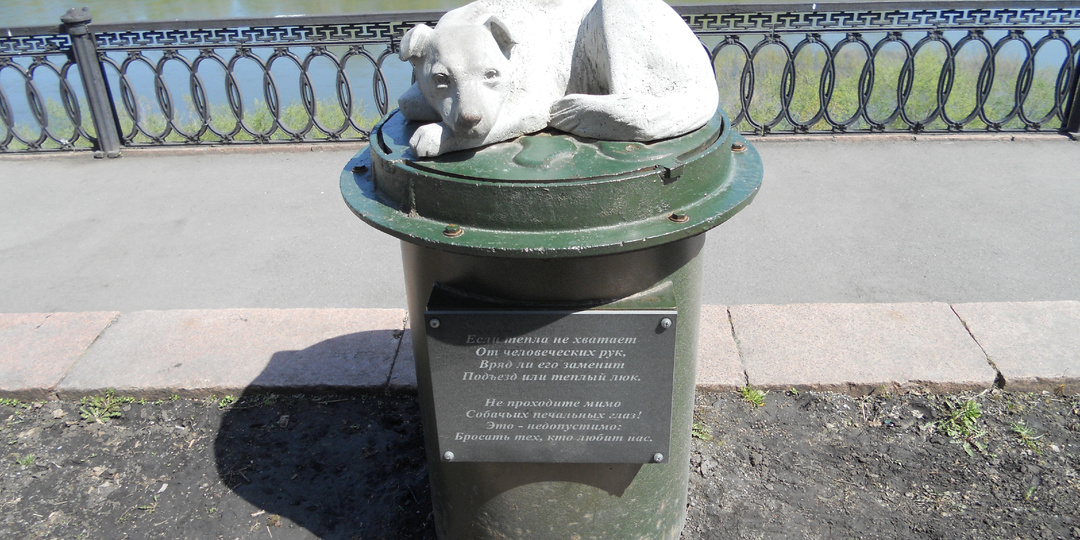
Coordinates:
[852,348]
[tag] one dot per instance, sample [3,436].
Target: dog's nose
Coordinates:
[469,119]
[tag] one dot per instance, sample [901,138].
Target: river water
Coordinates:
[20,13]
[41,12]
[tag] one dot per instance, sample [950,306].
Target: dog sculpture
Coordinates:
[493,70]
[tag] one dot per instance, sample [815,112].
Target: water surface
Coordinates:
[41,12]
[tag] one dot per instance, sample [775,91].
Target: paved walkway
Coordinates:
[945,264]
[846,347]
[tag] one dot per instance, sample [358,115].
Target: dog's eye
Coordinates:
[491,74]
[441,79]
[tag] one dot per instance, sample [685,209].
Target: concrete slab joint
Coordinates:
[202,352]
[402,374]
[1035,345]
[858,347]
[719,366]
[38,349]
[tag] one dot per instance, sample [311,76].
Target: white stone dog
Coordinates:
[493,70]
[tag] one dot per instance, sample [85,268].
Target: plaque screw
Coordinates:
[657,457]
[738,147]
[449,456]
[435,323]
[678,217]
[665,323]
[453,231]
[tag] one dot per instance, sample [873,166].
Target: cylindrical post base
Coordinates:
[480,501]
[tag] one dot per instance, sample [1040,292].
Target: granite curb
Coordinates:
[854,348]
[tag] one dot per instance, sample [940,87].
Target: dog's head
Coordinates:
[465,72]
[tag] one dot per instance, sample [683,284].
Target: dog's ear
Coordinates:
[502,36]
[414,41]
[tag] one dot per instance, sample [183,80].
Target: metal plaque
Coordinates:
[543,386]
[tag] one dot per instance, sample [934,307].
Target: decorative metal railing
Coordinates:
[802,68]
[896,66]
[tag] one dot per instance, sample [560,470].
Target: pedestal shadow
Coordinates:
[331,465]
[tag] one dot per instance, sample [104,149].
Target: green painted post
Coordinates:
[550,220]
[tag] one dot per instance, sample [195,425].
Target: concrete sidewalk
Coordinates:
[836,221]
[943,263]
[847,347]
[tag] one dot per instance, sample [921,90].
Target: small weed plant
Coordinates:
[752,395]
[961,424]
[101,409]
[13,403]
[701,431]
[1027,435]
[224,402]
[26,460]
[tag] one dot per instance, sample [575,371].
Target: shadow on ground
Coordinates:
[329,465]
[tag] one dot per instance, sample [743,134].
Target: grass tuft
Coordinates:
[1027,435]
[101,409]
[752,395]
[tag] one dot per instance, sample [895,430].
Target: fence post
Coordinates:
[1072,109]
[83,44]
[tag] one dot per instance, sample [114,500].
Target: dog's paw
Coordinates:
[566,113]
[427,140]
[596,116]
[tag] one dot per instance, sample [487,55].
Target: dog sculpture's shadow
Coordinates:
[339,466]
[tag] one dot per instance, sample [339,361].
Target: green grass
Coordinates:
[13,403]
[764,105]
[257,117]
[752,395]
[1027,435]
[922,101]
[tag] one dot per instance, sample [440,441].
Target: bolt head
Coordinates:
[657,457]
[448,455]
[434,323]
[453,231]
[665,323]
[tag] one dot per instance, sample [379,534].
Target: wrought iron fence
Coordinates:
[805,68]
[896,66]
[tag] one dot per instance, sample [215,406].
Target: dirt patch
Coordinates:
[807,465]
[263,466]
[820,465]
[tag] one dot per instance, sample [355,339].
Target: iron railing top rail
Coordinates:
[806,17]
[997,14]
[230,22]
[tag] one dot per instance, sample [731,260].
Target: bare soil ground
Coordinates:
[820,465]
[800,465]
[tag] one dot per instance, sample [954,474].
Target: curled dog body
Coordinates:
[606,69]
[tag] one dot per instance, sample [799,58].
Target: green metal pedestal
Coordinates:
[551,221]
